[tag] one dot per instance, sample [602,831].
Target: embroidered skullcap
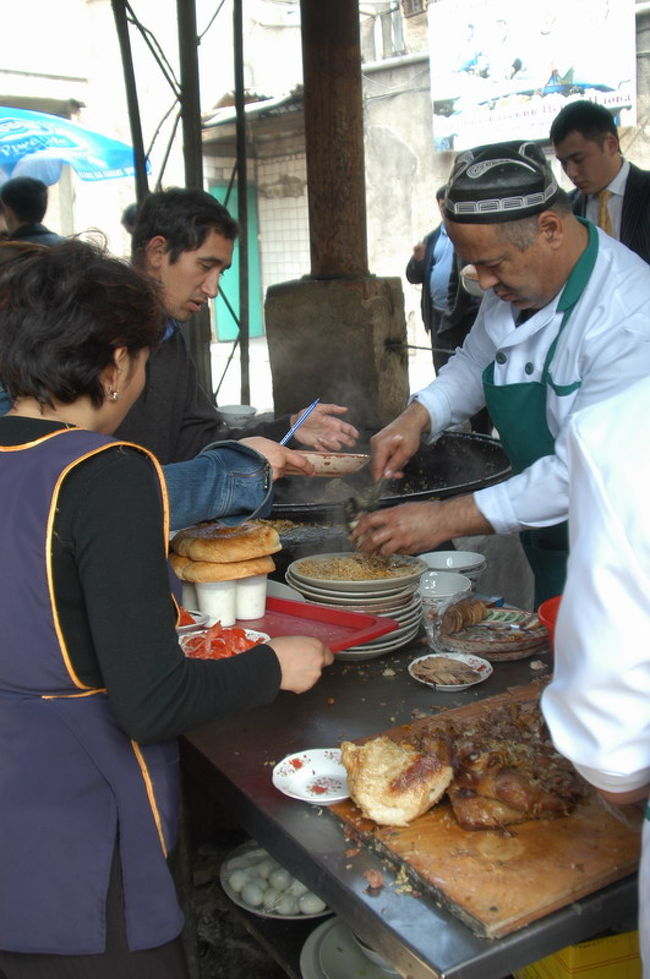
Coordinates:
[499,182]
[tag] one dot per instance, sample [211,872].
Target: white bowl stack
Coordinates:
[468,563]
[397,598]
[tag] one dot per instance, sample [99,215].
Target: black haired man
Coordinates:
[610,191]
[24,203]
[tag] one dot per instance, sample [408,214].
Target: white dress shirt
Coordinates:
[615,203]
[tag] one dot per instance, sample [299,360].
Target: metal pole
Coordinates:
[242,186]
[190,93]
[139,159]
[199,332]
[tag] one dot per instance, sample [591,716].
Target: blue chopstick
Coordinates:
[298,422]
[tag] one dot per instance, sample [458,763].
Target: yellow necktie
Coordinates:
[604,217]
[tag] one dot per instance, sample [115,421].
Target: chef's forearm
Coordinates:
[461,517]
[626,798]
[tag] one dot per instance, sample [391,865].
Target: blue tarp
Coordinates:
[36,144]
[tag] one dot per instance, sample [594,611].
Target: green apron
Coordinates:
[518,411]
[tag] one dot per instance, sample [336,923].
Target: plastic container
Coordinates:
[217,599]
[547,614]
[611,957]
[250,597]
[438,590]
[190,598]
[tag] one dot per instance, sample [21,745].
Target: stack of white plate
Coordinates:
[470,563]
[394,597]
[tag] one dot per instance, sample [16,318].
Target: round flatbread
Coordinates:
[197,571]
[218,543]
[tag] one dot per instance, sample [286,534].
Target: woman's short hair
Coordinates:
[63,313]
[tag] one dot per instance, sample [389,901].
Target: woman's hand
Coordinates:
[302,659]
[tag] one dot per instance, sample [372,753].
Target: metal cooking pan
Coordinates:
[459,462]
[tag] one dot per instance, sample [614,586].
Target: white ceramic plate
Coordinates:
[349,596]
[224,878]
[326,596]
[315,776]
[335,463]
[458,561]
[251,634]
[278,589]
[330,952]
[411,566]
[257,636]
[361,653]
[200,622]
[482,667]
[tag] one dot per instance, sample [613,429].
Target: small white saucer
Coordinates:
[315,775]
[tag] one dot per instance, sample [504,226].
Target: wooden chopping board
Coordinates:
[494,881]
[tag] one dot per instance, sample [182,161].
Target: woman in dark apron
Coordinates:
[94,687]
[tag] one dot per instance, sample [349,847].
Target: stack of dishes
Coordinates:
[343,580]
[468,563]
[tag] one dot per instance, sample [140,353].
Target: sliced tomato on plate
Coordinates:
[217,642]
[185,618]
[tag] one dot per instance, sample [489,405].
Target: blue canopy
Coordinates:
[36,144]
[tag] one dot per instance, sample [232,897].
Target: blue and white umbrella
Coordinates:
[36,144]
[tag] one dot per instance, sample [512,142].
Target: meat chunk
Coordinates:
[392,783]
[507,771]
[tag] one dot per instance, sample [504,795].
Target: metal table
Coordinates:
[232,760]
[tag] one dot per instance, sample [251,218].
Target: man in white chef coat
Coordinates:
[563,324]
[597,705]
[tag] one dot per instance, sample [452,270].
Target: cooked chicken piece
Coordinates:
[392,783]
[506,770]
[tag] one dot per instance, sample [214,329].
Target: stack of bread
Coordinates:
[214,552]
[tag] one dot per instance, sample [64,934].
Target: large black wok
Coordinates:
[459,462]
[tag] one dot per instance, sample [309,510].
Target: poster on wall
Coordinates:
[503,69]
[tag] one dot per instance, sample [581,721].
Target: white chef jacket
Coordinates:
[604,347]
[597,706]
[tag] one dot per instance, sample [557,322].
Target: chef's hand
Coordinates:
[302,659]
[283,461]
[394,445]
[323,430]
[413,528]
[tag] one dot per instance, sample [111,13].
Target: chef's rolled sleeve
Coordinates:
[226,481]
[457,392]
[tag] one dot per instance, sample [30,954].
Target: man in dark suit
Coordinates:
[430,266]
[611,192]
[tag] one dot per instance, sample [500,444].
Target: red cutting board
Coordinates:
[335,627]
[497,882]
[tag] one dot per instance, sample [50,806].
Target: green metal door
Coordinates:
[225,328]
